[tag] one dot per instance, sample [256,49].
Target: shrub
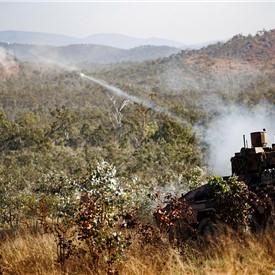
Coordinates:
[232,200]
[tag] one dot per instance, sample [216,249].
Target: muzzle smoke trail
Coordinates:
[135,99]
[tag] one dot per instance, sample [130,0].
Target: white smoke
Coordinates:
[8,65]
[214,79]
[135,99]
[45,60]
[225,135]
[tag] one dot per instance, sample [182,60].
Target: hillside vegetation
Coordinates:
[82,169]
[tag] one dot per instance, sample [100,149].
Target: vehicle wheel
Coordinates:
[207,228]
[254,223]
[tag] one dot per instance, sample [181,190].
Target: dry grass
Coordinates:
[227,254]
[27,254]
[36,254]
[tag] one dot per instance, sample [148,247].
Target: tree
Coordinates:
[118,107]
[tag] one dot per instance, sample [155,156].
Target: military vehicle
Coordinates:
[255,167]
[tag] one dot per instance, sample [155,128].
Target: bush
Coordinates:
[232,200]
[90,219]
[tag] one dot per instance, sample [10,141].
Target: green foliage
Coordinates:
[232,198]
[193,178]
[56,129]
[24,132]
[218,186]
[87,214]
[14,197]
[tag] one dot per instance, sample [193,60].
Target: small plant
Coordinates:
[175,218]
[92,221]
[62,229]
[232,198]
[98,228]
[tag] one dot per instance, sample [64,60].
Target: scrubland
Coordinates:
[82,155]
[227,253]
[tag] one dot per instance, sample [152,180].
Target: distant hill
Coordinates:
[231,65]
[239,71]
[107,39]
[241,64]
[128,42]
[87,53]
[35,38]
[258,48]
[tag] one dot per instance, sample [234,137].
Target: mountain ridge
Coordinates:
[106,39]
[92,53]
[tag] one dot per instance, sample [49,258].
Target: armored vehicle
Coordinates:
[255,167]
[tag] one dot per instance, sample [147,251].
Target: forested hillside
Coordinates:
[87,116]
[235,70]
[188,84]
[62,135]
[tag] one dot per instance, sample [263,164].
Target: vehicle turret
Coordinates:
[256,165]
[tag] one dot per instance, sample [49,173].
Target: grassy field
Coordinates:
[229,253]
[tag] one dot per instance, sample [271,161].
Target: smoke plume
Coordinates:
[135,99]
[225,135]
[8,65]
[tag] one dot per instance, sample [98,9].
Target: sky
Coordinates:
[185,22]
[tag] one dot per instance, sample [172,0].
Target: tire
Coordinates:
[255,223]
[207,228]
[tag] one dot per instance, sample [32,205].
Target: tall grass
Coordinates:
[227,253]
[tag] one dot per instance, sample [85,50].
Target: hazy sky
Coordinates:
[187,22]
